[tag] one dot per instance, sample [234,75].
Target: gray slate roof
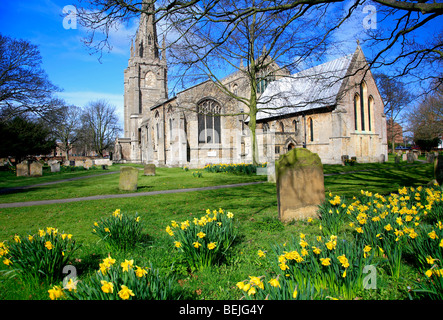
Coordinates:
[309,89]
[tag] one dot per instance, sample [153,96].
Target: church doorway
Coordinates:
[291,146]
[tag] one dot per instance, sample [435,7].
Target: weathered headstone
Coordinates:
[87,164]
[300,184]
[410,157]
[23,169]
[382,158]
[149,169]
[128,179]
[404,157]
[438,169]
[55,166]
[430,157]
[397,158]
[415,154]
[35,169]
[270,168]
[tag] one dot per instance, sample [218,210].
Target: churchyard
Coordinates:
[378,237]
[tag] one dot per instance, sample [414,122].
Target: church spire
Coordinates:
[146,39]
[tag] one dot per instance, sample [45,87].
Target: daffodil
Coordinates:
[49,245]
[240,285]
[432,235]
[261,253]
[211,245]
[201,235]
[430,260]
[274,282]
[125,293]
[7,262]
[107,287]
[177,244]
[325,261]
[127,264]
[140,272]
[196,244]
[55,293]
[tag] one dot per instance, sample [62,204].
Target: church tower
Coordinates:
[145,81]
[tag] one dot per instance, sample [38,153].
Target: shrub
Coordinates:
[119,231]
[205,241]
[238,168]
[40,256]
[124,281]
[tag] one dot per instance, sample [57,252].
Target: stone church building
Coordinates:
[333,109]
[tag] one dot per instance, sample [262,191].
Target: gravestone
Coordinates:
[397,159]
[35,169]
[404,157]
[270,170]
[300,184]
[438,169]
[23,169]
[87,164]
[410,157]
[128,179]
[55,166]
[430,157]
[149,170]
[382,158]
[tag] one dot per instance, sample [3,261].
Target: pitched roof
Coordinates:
[309,89]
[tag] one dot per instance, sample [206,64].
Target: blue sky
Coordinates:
[81,75]
[66,59]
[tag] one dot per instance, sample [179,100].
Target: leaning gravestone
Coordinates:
[128,179]
[23,169]
[149,170]
[438,169]
[36,169]
[300,184]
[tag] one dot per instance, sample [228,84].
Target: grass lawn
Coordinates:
[255,209]
[165,179]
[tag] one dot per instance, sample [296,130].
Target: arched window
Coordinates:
[294,125]
[311,127]
[209,128]
[363,95]
[370,108]
[265,127]
[282,127]
[356,108]
[149,39]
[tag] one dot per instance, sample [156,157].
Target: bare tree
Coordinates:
[396,98]
[426,120]
[24,85]
[100,125]
[397,36]
[66,127]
